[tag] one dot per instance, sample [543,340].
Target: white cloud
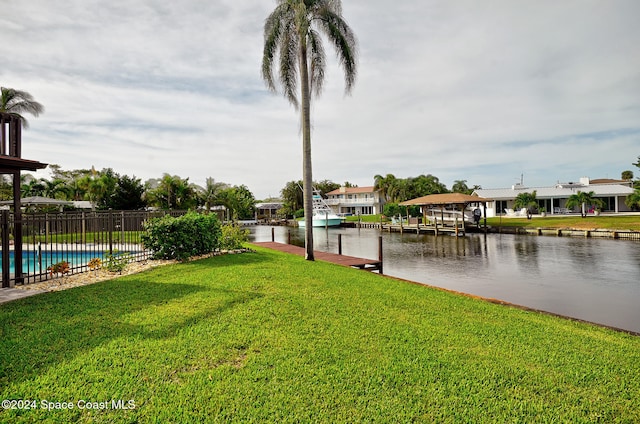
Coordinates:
[482,91]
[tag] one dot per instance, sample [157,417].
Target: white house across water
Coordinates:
[611,192]
[355,201]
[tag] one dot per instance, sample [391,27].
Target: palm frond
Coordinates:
[344,42]
[17,102]
[317,59]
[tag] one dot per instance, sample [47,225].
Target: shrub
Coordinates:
[61,267]
[182,237]
[233,236]
[118,262]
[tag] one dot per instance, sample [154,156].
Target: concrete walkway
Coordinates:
[8,294]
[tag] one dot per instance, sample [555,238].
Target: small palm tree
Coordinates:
[17,102]
[526,200]
[583,199]
[292,32]
[633,200]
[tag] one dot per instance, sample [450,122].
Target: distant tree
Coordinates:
[637,163]
[325,186]
[385,185]
[32,187]
[55,189]
[171,192]
[210,193]
[292,198]
[633,200]
[627,175]
[6,187]
[393,209]
[98,187]
[423,185]
[127,194]
[582,199]
[239,202]
[460,186]
[292,34]
[18,102]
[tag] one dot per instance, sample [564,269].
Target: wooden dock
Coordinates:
[334,258]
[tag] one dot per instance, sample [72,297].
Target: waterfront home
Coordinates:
[355,201]
[553,199]
[267,211]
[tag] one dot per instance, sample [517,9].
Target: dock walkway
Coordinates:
[334,258]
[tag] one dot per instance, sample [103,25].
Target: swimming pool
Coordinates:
[32,263]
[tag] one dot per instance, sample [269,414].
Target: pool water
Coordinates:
[31,263]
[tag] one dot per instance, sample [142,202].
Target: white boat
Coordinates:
[323,216]
[449,217]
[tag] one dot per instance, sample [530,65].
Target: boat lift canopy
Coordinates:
[449,199]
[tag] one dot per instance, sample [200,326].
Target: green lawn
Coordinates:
[549,221]
[589,222]
[89,237]
[269,337]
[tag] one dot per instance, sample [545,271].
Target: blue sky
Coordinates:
[480,91]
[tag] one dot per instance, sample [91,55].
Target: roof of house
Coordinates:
[352,190]
[610,181]
[445,199]
[558,191]
[38,200]
[269,205]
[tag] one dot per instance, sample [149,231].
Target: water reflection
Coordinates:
[591,279]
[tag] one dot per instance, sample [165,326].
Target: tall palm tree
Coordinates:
[384,185]
[17,102]
[292,32]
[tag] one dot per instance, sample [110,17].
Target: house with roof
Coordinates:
[355,201]
[267,211]
[553,199]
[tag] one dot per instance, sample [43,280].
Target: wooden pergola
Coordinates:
[456,201]
[11,162]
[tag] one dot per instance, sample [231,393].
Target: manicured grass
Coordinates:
[89,237]
[549,221]
[364,218]
[269,337]
[602,222]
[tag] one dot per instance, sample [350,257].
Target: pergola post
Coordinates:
[12,163]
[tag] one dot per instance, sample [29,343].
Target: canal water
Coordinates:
[596,280]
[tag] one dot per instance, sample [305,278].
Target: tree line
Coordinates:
[107,189]
[392,189]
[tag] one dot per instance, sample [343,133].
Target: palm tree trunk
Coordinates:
[307,178]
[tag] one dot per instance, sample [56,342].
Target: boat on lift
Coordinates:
[323,215]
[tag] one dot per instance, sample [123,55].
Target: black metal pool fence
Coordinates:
[72,237]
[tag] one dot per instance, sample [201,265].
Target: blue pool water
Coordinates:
[32,264]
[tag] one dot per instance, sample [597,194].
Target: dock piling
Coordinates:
[380,254]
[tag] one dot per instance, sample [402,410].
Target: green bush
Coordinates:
[180,238]
[117,262]
[233,236]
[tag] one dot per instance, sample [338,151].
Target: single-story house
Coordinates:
[553,199]
[268,210]
[355,201]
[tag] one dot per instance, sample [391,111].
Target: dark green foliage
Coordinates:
[127,194]
[393,209]
[182,237]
